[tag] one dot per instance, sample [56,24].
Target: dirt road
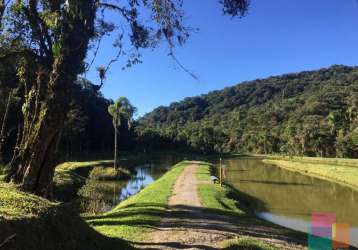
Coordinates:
[188,225]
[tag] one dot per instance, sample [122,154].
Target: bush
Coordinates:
[246,243]
[109,173]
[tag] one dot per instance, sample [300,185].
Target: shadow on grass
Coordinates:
[170,245]
[56,228]
[196,219]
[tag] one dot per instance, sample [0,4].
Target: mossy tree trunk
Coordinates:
[47,100]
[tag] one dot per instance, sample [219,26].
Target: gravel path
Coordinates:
[188,226]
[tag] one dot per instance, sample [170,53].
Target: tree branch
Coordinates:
[127,14]
[186,70]
[39,29]
[7,240]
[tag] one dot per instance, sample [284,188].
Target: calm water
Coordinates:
[280,196]
[102,196]
[288,198]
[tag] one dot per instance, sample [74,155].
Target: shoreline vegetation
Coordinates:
[136,216]
[131,221]
[339,170]
[71,176]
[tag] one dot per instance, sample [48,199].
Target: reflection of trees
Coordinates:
[101,196]
[289,193]
[138,182]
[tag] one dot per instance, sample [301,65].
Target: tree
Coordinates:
[121,111]
[57,34]
[287,114]
[3,127]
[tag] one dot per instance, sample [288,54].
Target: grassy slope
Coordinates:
[136,215]
[343,171]
[57,226]
[218,199]
[34,223]
[71,176]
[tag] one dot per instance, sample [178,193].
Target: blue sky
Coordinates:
[276,37]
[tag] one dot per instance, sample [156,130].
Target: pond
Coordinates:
[288,198]
[99,196]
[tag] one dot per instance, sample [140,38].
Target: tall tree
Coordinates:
[3,127]
[121,111]
[57,34]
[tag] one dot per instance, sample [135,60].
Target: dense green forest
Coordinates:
[312,113]
[88,127]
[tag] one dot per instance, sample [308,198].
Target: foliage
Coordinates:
[88,127]
[122,111]
[311,113]
[71,176]
[108,174]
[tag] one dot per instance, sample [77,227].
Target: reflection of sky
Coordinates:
[298,224]
[301,225]
[137,183]
[288,198]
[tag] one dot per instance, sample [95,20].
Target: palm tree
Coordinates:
[121,111]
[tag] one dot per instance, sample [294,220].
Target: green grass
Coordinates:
[109,174]
[232,203]
[15,204]
[82,167]
[214,196]
[246,243]
[137,215]
[343,171]
[32,223]
[71,176]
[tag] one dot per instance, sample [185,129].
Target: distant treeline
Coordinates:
[311,113]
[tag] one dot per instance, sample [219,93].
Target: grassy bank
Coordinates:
[231,203]
[29,222]
[342,171]
[71,176]
[139,213]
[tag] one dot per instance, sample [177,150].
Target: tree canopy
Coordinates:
[311,113]
[47,43]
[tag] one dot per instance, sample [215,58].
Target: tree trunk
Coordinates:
[115,147]
[46,103]
[3,128]
[2,11]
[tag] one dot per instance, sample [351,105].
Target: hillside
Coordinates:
[313,113]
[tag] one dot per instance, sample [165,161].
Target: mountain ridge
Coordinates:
[236,117]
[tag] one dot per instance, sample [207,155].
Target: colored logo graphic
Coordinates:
[326,234]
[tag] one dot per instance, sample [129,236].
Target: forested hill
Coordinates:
[307,113]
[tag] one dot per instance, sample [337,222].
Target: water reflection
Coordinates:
[288,198]
[143,177]
[101,196]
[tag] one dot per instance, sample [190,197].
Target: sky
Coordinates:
[276,37]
